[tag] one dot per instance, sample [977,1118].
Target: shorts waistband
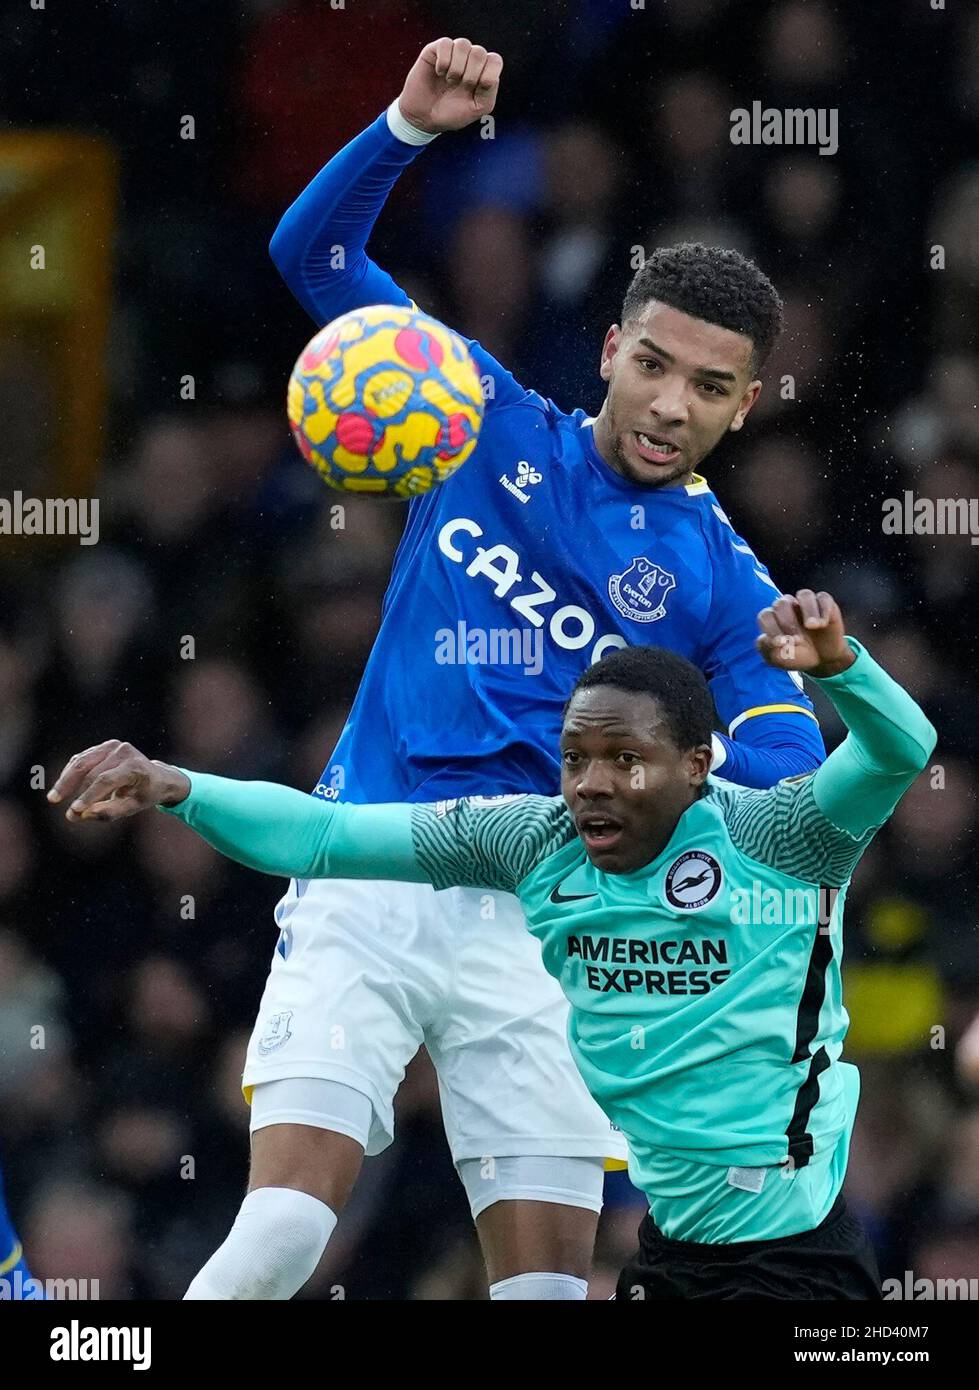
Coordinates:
[702,1250]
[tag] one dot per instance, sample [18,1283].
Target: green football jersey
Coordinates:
[707,1015]
[706,1003]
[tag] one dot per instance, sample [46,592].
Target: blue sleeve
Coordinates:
[318,246]
[771,727]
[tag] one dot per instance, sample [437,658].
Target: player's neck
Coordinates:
[661,837]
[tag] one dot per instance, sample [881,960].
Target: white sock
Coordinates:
[271,1250]
[537,1286]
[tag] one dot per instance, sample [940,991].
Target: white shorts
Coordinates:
[365,972]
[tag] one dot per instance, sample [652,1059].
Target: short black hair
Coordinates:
[712,283]
[676,683]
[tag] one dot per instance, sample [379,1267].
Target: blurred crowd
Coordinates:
[224,617]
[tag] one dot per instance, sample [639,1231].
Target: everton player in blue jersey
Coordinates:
[574,536]
[15,1278]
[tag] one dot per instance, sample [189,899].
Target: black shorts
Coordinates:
[835,1260]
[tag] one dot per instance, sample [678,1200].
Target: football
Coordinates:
[385,400]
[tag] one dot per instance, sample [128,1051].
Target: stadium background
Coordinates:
[612,131]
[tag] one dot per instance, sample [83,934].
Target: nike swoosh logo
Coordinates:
[558,897]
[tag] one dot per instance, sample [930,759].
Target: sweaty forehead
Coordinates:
[692,341]
[604,709]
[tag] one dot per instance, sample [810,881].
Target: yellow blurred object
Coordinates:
[892,924]
[892,1006]
[57,214]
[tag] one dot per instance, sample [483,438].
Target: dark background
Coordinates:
[612,131]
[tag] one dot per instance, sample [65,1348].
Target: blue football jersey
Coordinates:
[528,564]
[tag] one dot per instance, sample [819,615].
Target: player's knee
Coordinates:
[295,1230]
[271,1250]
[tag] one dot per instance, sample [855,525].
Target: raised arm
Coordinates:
[889,739]
[889,742]
[817,827]
[319,245]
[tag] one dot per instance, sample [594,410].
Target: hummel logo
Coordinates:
[558,897]
[527,475]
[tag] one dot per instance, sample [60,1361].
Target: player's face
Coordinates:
[676,385]
[625,781]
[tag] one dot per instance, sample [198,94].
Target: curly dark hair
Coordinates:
[712,283]
[676,683]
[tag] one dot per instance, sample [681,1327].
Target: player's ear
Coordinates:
[700,758]
[752,392]
[609,348]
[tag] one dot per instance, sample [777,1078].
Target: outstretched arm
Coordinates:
[262,825]
[278,830]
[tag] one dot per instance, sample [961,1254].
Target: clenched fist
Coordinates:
[804,632]
[452,84]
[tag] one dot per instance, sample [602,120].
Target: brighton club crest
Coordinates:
[640,591]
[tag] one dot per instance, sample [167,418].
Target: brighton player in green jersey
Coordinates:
[695,927]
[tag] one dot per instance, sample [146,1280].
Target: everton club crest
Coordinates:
[640,591]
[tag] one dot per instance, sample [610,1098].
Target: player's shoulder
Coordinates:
[518,412]
[529,808]
[727,548]
[539,824]
[714,520]
[504,392]
[570,420]
[728,794]
[520,831]
[756,817]
[569,425]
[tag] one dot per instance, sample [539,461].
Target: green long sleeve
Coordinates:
[279,830]
[888,743]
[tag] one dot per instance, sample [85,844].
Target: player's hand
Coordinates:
[452,84]
[804,632]
[114,780]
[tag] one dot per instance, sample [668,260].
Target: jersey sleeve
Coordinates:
[319,245]
[278,830]
[475,842]
[485,843]
[770,727]
[889,742]
[816,828]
